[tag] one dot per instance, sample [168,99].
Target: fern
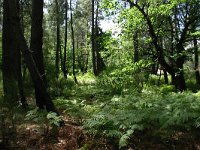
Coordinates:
[124,115]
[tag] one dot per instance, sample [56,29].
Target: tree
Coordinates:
[196,61]
[36,45]
[15,27]
[82,26]
[10,56]
[58,48]
[100,65]
[65,40]
[93,40]
[73,44]
[184,13]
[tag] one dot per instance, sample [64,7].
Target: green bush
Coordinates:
[130,75]
[61,86]
[192,85]
[165,89]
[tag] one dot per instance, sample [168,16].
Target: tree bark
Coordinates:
[21,83]
[100,65]
[9,56]
[93,42]
[29,60]
[196,61]
[65,47]
[36,45]
[73,44]
[57,37]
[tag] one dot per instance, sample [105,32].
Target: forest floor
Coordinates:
[72,136]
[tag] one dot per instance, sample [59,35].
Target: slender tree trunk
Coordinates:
[170,19]
[93,42]
[19,64]
[196,61]
[164,70]
[57,37]
[34,72]
[1,8]
[100,65]
[21,83]
[73,44]
[36,45]
[87,51]
[65,47]
[165,76]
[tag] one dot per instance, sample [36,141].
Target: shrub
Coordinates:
[165,89]
[130,75]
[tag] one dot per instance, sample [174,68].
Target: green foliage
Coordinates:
[78,109]
[130,75]
[61,86]
[121,117]
[53,119]
[43,118]
[165,89]
[192,85]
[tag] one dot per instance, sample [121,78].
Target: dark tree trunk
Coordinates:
[180,81]
[65,47]
[21,83]
[36,45]
[1,16]
[57,37]
[93,42]
[19,64]
[10,55]
[136,47]
[100,65]
[179,73]
[196,61]
[73,45]
[165,76]
[34,72]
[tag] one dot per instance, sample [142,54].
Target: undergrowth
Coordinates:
[124,115]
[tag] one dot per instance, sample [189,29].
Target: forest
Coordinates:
[99,75]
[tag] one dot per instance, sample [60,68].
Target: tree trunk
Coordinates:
[22,97]
[65,47]
[100,65]
[1,16]
[36,45]
[165,76]
[93,42]
[9,56]
[196,61]
[57,37]
[21,83]
[179,73]
[73,44]
[34,72]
